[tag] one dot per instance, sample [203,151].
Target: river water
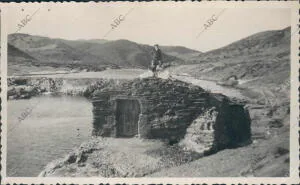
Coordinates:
[53,128]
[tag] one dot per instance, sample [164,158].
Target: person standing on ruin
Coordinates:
[156,60]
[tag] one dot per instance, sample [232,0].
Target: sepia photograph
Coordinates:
[130,90]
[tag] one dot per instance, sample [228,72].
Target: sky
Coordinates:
[148,23]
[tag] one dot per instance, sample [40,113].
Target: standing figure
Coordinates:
[156,60]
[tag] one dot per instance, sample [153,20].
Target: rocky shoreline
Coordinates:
[28,87]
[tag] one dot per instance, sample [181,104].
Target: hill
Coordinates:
[260,60]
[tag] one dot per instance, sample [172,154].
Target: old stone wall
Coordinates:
[168,109]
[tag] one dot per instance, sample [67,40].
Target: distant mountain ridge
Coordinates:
[95,54]
[52,51]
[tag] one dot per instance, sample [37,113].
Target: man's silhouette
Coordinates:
[156,60]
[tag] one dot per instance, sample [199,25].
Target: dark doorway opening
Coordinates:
[127,117]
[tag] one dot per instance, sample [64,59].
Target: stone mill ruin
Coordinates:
[172,111]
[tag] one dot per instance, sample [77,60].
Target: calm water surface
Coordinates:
[55,126]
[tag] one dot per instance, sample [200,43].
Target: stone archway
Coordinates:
[127,117]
